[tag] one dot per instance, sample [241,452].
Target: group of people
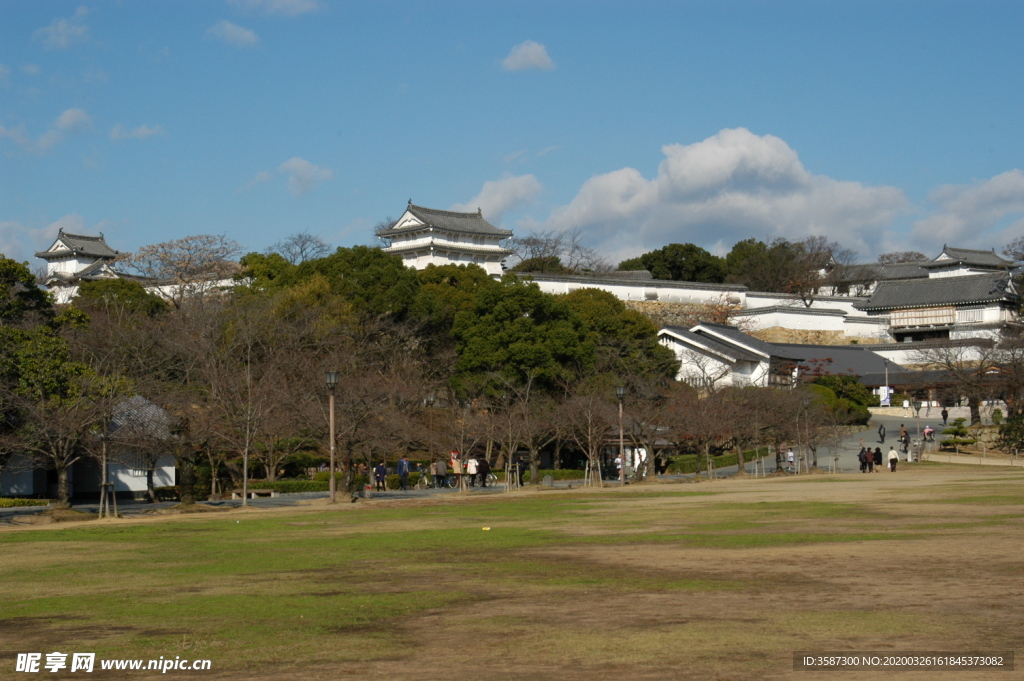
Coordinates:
[473,469]
[871,461]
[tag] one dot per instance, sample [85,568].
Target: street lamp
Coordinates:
[807,433]
[429,401]
[917,413]
[620,392]
[332,382]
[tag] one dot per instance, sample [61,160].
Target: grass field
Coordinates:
[721,580]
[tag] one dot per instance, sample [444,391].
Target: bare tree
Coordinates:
[900,257]
[566,248]
[300,247]
[590,419]
[705,421]
[972,368]
[188,266]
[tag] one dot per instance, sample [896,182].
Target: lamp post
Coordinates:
[917,413]
[807,431]
[104,506]
[886,397]
[429,401]
[620,392]
[332,382]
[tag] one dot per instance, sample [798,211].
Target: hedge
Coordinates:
[694,463]
[11,503]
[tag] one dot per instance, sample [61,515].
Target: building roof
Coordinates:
[78,244]
[640,281]
[712,344]
[448,221]
[880,272]
[969,257]
[631,275]
[854,360]
[942,291]
[734,335]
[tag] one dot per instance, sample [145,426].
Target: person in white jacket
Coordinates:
[472,468]
[893,458]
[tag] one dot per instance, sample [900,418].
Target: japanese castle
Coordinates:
[425,236]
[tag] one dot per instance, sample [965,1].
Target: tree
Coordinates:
[514,331]
[121,296]
[625,341]
[900,257]
[20,299]
[763,267]
[971,368]
[188,266]
[680,262]
[563,252]
[542,265]
[375,283]
[300,247]
[704,421]
[589,419]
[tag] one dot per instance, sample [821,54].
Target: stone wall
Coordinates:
[681,314]
[779,334]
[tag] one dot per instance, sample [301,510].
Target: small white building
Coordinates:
[74,258]
[425,236]
[715,356]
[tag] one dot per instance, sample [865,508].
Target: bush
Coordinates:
[167,493]
[961,436]
[291,486]
[11,503]
[1011,434]
[997,416]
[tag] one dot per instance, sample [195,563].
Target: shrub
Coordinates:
[291,486]
[961,436]
[1011,434]
[997,416]
[167,493]
[11,503]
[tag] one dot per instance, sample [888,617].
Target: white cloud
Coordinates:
[528,55]
[61,34]
[288,7]
[21,243]
[119,132]
[499,196]
[233,34]
[729,187]
[73,120]
[984,214]
[260,178]
[31,69]
[303,176]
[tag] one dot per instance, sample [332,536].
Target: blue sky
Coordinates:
[883,125]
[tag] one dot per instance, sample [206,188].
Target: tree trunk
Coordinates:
[63,488]
[150,490]
[975,405]
[535,467]
[187,481]
[556,459]
[778,457]
[741,462]
[814,456]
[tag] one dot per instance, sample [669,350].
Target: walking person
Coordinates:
[380,474]
[485,470]
[404,468]
[881,434]
[457,469]
[862,457]
[440,473]
[945,415]
[878,459]
[893,458]
[790,460]
[472,468]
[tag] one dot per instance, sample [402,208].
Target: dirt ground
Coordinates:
[948,578]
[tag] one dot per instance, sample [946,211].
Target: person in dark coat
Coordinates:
[945,415]
[404,468]
[863,458]
[484,469]
[881,434]
[878,458]
[380,474]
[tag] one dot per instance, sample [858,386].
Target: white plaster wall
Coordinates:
[18,481]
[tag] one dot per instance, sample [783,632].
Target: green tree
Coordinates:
[847,387]
[515,331]
[19,295]
[543,265]
[122,294]
[376,283]
[681,262]
[625,341]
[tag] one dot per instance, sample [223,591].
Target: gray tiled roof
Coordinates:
[450,221]
[967,256]
[713,344]
[839,359]
[735,335]
[976,288]
[880,272]
[79,244]
[633,275]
